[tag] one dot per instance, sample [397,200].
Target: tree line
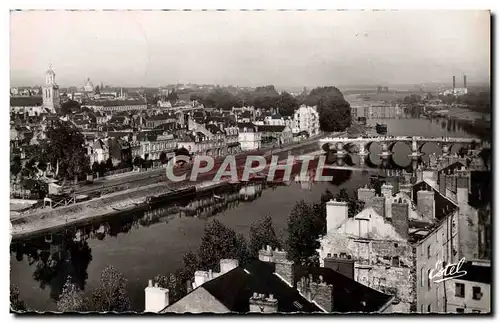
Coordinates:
[334,111]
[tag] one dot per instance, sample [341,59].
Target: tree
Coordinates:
[65,146]
[334,111]
[109,164]
[137,161]
[16,304]
[102,168]
[220,242]
[182,151]
[355,206]
[70,107]
[172,97]
[303,232]
[72,298]
[95,167]
[163,157]
[287,104]
[111,295]
[176,287]
[262,233]
[15,164]
[191,265]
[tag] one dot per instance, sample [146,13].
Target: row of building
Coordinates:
[388,258]
[148,131]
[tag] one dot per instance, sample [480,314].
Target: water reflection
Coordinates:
[64,253]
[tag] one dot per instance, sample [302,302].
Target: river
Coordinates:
[142,247]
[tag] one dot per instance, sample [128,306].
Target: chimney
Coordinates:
[379,205]
[451,185]
[336,213]
[317,291]
[442,183]
[200,277]
[279,255]
[462,189]
[284,269]
[227,265]
[386,190]
[266,254]
[465,81]
[429,174]
[342,265]
[366,194]
[453,83]
[406,188]
[259,303]
[425,203]
[400,220]
[156,298]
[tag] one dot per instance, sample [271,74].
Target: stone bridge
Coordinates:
[415,142]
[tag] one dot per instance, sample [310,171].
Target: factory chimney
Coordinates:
[465,81]
[453,83]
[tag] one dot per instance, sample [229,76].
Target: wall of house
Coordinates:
[377,267]
[467,302]
[249,140]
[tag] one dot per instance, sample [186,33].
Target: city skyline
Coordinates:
[81,44]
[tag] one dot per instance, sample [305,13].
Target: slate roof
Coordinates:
[475,273]
[116,103]
[271,128]
[348,295]
[26,101]
[235,288]
[167,126]
[213,129]
[247,125]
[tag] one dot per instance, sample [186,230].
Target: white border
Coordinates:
[255,4]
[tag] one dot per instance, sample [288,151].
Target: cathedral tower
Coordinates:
[51,99]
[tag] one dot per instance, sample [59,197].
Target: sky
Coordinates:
[249,48]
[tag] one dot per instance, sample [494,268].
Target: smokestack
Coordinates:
[453,82]
[465,81]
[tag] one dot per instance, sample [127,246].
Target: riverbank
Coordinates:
[49,219]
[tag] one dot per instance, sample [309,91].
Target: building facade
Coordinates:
[249,137]
[306,119]
[382,254]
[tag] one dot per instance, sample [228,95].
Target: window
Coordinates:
[428,279]
[460,310]
[395,261]
[422,278]
[429,308]
[422,308]
[476,293]
[459,290]
[428,251]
